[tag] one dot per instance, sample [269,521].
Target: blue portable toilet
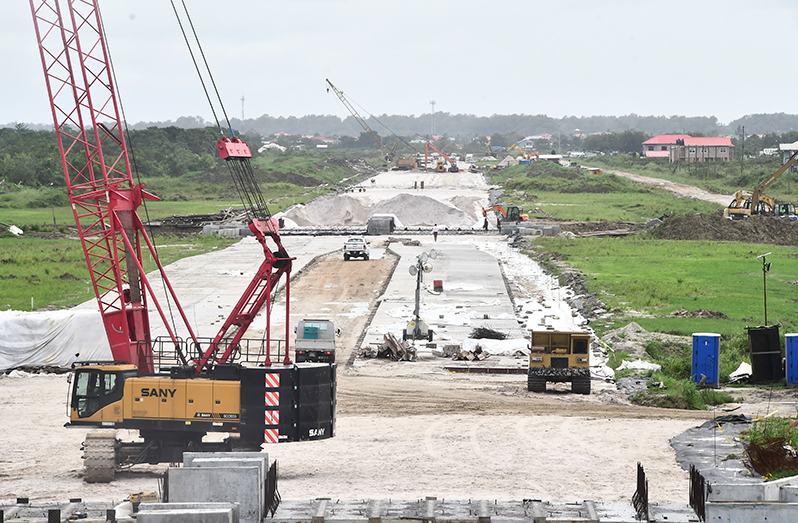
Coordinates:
[791,355]
[706,355]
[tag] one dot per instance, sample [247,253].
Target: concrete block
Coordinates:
[188,457]
[186,515]
[760,491]
[256,461]
[151,507]
[747,512]
[773,488]
[735,492]
[789,494]
[242,485]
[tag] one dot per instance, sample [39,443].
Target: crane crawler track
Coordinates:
[99,456]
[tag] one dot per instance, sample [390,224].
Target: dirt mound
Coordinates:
[599,225]
[330,210]
[700,313]
[469,205]
[416,210]
[411,210]
[633,339]
[756,229]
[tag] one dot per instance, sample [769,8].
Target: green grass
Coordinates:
[52,273]
[680,394]
[563,193]
[639,276]
[720,177]
[628,207]
[180,198]
[765,444]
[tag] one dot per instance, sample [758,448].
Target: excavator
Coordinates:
[747,203]
[440,164]
[526,156]
[511,214]
[173,406]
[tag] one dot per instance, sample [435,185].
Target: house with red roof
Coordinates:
[685,148]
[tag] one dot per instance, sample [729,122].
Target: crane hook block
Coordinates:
[234,148]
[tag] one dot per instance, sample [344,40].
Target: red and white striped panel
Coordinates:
[272,399]
[272,417]
[271,436]
[272,380]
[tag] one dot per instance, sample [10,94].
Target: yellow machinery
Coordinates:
[559,356]
[746,203]
[513,213]
[526,156]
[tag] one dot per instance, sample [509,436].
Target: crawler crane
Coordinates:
[172,408]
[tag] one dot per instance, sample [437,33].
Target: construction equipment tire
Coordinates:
[535,384]
[580,386]
[99,456]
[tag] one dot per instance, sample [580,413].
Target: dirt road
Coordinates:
[343,291]
[689,191]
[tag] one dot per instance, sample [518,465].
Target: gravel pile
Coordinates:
[412,210]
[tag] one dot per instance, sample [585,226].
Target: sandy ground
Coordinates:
[404,430]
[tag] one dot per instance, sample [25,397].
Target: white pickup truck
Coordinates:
[356,247]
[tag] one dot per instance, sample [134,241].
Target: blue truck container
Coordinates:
[791,354]
[706,355]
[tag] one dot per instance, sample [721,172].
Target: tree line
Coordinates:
[469,125]
[31,157]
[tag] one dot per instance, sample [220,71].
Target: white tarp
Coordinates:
[638,364]
[51,338]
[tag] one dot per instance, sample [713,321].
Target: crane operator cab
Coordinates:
[97,387]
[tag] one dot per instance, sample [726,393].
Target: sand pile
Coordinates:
[411,210]
[330,210]
[416,210]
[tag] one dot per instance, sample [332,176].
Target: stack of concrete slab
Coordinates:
[773,501]
[218,477]
[188,513]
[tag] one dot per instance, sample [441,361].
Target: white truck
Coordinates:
[356,247]
[315,341]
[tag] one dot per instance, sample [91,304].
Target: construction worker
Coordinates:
[435,232]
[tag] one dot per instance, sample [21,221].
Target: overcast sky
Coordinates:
[580,57]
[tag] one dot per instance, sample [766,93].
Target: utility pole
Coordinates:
[765,269]
[432,103]
[242,109]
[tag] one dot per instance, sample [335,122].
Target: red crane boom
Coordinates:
[94,156]
[105,198]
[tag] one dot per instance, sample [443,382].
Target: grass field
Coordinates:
[718,177]
[180,198]
[546,189]
[647,279]
[38,273]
